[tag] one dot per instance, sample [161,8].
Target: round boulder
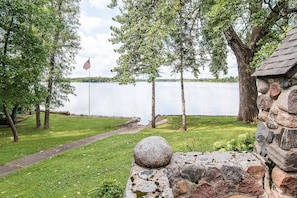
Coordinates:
[152,152]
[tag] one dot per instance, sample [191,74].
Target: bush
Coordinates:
[244,142]
[107,189]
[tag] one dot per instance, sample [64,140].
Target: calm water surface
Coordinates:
[112,99]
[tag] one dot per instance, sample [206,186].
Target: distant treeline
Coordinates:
[108,79]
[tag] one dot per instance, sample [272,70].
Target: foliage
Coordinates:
[244,142]
[63,40]
[141,34]
[252,29]
[108,189]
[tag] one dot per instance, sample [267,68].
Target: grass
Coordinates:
[77,172]
[63,129]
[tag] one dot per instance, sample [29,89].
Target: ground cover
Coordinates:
[63,129]
[77,172]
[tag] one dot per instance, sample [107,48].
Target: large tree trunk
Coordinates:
[11,124]
[37,111]
[153,104]
[248,110]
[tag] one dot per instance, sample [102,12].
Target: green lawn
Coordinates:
[63,129]
[75,173]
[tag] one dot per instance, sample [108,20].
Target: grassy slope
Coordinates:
[77,172]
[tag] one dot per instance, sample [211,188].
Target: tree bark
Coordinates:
[46,124]
[48,99]
[248,110]
[14,114]
[183,100]
[51,73]
[11,124]
[153,104]
[37,111]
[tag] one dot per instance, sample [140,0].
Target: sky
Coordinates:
[94,31]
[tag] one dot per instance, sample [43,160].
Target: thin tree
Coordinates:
[64,43]
[141,35]
[183,38]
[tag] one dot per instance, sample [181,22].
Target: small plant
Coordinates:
[107,189]
[192,145]
[244,142]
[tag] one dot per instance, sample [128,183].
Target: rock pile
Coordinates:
[197,175]
[277,132]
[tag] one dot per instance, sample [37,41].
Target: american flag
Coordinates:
[87,65]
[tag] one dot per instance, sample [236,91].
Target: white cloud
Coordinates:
[90,23]
[95,20]
[101,53]
[99,4]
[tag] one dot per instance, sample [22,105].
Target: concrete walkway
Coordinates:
[15,165]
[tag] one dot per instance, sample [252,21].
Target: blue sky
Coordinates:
[95,20]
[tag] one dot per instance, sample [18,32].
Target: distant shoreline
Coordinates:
[230,79]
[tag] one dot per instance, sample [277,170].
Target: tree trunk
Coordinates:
[46,124]
[248,110]
[184,120]
[11,124]
[14,114]
[37,111]
[153,104]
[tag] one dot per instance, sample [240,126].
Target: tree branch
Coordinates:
[261,31]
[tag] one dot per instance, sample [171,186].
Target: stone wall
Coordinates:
[156,172]
[276,136]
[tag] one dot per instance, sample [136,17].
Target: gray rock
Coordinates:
[287,120]
[263,86]
[232,173]
[264,102]
[152,152]
[261,133]
[286,160]
[145,187]
[270,136]
[271,123]
[288,139]
[192,172]
[287,101]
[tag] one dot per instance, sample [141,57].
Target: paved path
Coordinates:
[15,165]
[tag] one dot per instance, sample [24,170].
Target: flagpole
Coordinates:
[87,66]
[89,91]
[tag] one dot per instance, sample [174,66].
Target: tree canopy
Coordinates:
[26,42]
[252,30]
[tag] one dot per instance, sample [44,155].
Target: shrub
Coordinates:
[244,142]
[107,189]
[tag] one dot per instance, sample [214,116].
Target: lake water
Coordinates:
[112,99]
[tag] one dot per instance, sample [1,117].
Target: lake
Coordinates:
[112,99]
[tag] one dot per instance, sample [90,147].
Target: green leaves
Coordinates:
[141,37]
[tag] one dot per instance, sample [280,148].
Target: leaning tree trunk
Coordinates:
[11,124]
[153,104]
[248,110]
